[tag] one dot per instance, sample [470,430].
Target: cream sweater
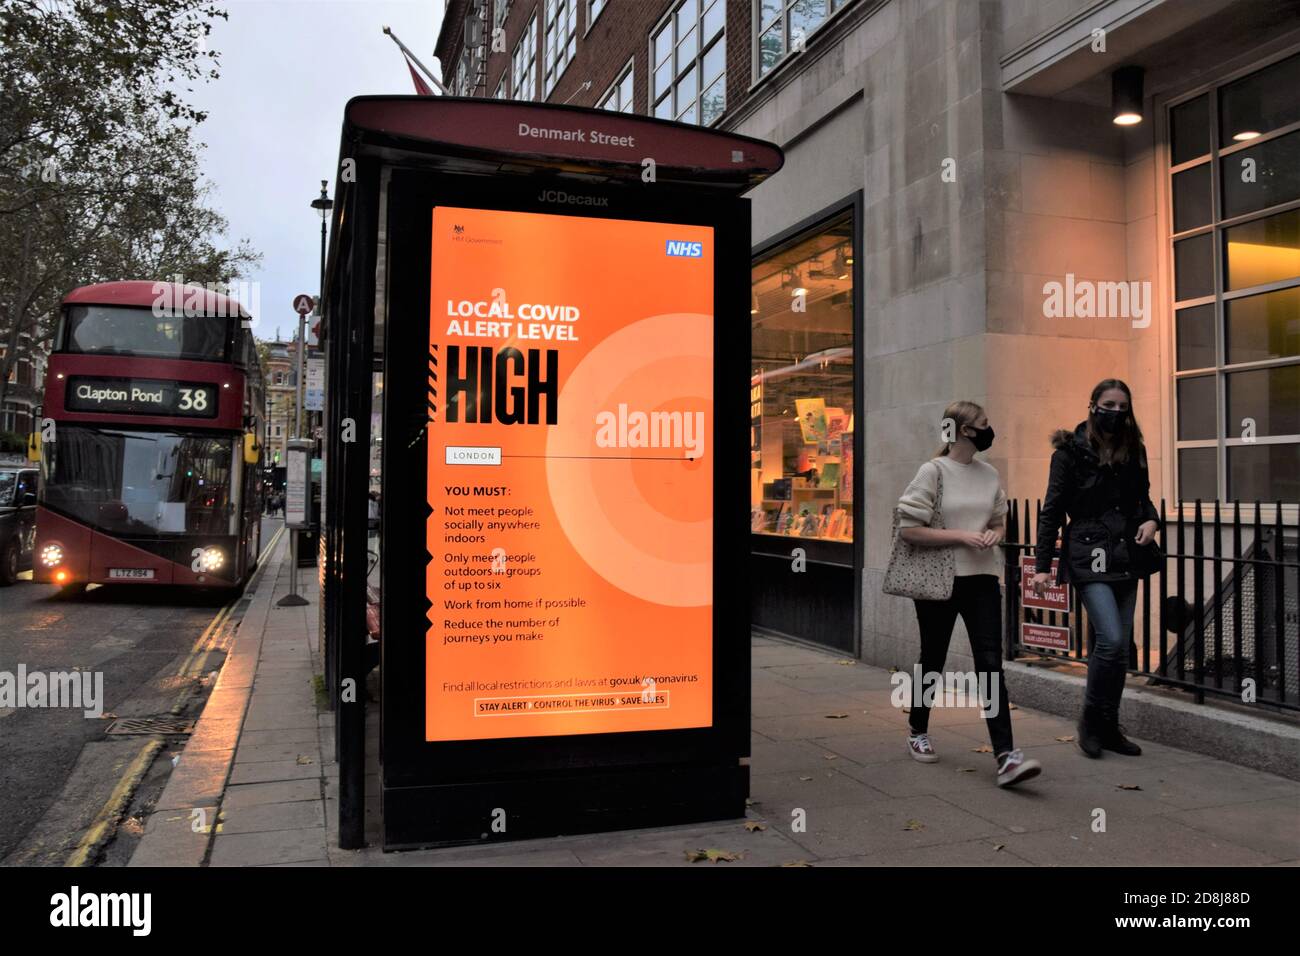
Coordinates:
[972,500]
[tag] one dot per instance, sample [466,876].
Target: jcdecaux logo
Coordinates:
[692,250]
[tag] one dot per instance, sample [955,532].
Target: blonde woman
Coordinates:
[974,508]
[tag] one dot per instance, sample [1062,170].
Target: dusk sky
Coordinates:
[275,115]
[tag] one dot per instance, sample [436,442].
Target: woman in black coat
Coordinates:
[1099,480]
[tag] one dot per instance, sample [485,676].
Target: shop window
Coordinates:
[619,96]
[1189,129]
[1261,176]
[1194,330]
[1262,251]
[688,55]
[802,387]
[1237,286]
[1260,103]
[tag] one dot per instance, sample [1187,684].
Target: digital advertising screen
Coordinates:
[570,476]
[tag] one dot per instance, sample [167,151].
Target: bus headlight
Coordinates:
[212,559]
[52,555]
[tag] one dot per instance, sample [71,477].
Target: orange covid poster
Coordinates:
[570,476]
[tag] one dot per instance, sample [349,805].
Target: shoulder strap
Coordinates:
[938,494]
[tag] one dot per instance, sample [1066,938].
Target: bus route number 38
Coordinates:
[193,400]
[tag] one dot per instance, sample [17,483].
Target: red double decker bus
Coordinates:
[151,473]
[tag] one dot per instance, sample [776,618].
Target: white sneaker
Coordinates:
[1013,767]
[919,746]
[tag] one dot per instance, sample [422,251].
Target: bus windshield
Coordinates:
[111,330]
[142,483]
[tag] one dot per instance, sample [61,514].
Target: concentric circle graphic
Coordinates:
[641,517]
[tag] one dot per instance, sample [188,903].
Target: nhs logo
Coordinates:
[693,250]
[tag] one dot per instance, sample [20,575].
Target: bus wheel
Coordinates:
[9,564]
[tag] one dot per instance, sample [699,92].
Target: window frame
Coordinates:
[1219,297]
[530,32]
[757,30]
[589,17]
[669,20]
[628,70]
[552,72]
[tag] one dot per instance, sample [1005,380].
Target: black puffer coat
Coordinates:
[1105,505]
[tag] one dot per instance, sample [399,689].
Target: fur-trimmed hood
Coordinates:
[1064,437]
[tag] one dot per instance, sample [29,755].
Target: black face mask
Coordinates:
[983,437]
[1110,420]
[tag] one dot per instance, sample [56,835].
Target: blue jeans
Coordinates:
[1110,607]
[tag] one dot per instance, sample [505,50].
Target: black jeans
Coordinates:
[977,599]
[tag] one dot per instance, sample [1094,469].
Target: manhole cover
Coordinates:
[151,725]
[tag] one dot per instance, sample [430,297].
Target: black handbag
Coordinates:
[1144,559]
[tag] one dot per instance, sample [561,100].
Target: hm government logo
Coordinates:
[458,230]
[690,250]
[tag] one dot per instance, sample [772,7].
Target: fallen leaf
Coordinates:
[914,825]
[1066,739]
[753,825]
[1012,707]
[797,863]
[830,756]
[304,760]
[846,663]
[108,716]
[986,749]
[805,778]
[965,769]
[836,716]
[749,802]
[1127,786]
[713,856]
[1017,829]
[998,846]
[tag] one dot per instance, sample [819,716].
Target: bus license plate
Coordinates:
[146,573]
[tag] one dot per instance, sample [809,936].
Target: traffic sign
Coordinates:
[302,304]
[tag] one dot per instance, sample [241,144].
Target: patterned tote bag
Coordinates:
[922,573]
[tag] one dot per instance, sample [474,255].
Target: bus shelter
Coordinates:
[543,310]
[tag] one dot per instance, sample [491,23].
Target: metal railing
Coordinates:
[1233,634]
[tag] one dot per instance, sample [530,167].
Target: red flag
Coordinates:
[421,87]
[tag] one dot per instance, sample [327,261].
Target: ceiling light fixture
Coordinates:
[1126,95]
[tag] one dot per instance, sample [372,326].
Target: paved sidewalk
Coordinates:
[828,749]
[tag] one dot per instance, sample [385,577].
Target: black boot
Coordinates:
[1113,739]
[1089,732]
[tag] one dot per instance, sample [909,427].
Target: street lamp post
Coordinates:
[322,204]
